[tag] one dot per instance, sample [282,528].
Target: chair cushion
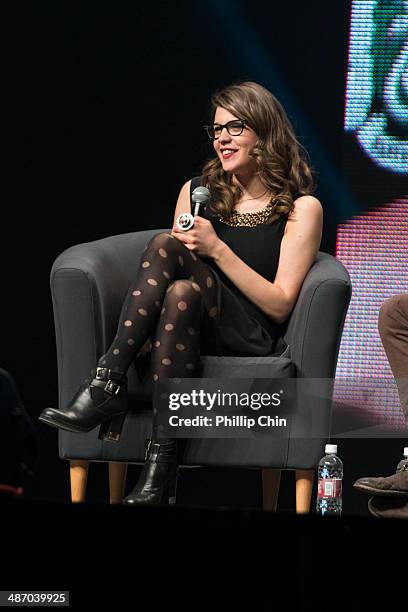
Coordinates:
[212,366]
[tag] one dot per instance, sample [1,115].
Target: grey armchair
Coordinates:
[89,283]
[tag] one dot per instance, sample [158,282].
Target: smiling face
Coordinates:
[233,150]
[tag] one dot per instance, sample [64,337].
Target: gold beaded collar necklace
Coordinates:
[248,219]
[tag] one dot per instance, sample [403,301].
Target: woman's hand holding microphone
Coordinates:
[201,238]
[195,232]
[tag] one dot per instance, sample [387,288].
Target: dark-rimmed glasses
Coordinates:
[234,128]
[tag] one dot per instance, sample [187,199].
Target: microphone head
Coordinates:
[201,195]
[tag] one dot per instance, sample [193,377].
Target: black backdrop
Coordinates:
[101,125]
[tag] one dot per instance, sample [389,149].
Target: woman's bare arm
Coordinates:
[299,247]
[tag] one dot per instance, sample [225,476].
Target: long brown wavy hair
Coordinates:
[282,163]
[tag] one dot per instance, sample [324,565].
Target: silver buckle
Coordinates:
[112,436]
[112,388]
[99,375]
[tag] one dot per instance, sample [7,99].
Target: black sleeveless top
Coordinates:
[258,247]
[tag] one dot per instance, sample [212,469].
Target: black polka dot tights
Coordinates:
[173,292]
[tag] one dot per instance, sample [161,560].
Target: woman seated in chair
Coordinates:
[240,267]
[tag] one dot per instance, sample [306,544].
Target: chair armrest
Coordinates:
[316,323]
[88,285]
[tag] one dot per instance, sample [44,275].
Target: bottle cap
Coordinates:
[330,449]
[406,451]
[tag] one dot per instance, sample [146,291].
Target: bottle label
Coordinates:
[329,487]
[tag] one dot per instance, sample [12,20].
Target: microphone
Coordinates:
[200,196]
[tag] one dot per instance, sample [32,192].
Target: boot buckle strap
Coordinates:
[108,374]
[155,453]
[102,373]
[152,451]
[112,388]
[148,444]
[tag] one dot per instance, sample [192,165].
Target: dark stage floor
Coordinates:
[117,555]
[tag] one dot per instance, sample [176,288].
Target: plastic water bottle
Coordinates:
[404,460]
[330,476]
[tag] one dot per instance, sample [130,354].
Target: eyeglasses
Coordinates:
[234,128]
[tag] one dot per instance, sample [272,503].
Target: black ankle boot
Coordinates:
[100,399]
[158,480]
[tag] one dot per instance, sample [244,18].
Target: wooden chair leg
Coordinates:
[117,481]
[304,486]
[78,475]
[270,489]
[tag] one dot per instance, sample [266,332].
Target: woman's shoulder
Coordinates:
[306,207]
[308,212]
[307,204]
